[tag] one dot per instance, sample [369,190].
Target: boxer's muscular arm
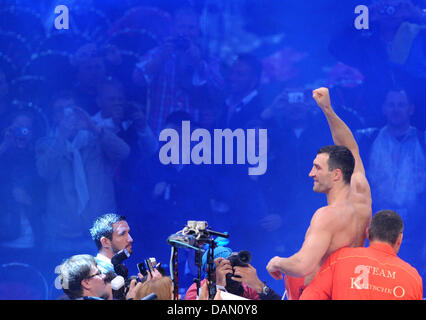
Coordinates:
[340,132]
[314,248]
[343,136]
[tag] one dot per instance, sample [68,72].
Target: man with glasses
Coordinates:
[81,279]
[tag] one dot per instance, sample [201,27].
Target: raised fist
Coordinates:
[322,97]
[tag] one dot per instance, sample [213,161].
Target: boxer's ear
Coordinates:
[337,174]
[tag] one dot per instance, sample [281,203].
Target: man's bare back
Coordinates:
[348,221]
[343,222]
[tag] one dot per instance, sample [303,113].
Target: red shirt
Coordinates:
[373,273]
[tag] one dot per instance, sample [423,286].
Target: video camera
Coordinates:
[194,236]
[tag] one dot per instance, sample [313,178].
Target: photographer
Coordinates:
[81,279]
[237,277]
[77,160]
[21,190]
[111,234]
[177,74]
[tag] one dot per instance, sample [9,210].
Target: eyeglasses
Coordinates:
[94,275]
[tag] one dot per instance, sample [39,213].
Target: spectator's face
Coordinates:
[96,284]
[187,25]
[22,128]
[121,238]
[241,79]
[397,109]
[111,101]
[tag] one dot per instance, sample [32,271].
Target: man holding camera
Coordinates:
[234,274]
[111,234]
[176,73]
[81,279]
[77,160]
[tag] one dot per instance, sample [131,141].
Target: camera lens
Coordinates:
[245,257]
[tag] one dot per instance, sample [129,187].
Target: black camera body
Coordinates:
[148,266]
[237,259]
[240,259]
[117,261]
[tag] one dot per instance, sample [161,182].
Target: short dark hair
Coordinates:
[341,158]
[102,227]
[72,271]
[386,226]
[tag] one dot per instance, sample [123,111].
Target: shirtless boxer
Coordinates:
[339,173]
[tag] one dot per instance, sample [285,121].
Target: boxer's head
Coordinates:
[333,164]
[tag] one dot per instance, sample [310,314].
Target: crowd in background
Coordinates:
[81,110]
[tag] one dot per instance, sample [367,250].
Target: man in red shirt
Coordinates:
[371,273]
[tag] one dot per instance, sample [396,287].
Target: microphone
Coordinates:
[117,260]
[117,283]
[121,270]
[120,256]
[118,287]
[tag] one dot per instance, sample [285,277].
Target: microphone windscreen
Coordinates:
[117,283]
